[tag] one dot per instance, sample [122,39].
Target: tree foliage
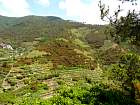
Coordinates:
[127,71]
[122,28]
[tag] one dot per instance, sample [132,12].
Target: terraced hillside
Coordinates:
[59,62]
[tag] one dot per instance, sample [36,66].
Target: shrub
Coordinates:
[7,98]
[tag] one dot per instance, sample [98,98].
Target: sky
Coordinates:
[78,10]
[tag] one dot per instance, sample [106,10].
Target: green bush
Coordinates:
[35,86]
[7,98]
[98,94]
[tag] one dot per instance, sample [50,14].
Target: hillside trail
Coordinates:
[4,83]
[52,86]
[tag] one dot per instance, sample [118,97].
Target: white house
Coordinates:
[6,46]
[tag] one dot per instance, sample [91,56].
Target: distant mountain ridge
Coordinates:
[30,27]
[9,21]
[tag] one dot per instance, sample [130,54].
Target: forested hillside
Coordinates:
[52,61]
[30,27]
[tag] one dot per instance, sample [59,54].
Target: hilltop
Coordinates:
[29,27]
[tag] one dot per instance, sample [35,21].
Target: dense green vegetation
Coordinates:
[58,62]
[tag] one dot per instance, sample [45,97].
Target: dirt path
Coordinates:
[52,86]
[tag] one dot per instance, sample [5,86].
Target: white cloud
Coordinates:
[44,2]
[90,13]
[14,8]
